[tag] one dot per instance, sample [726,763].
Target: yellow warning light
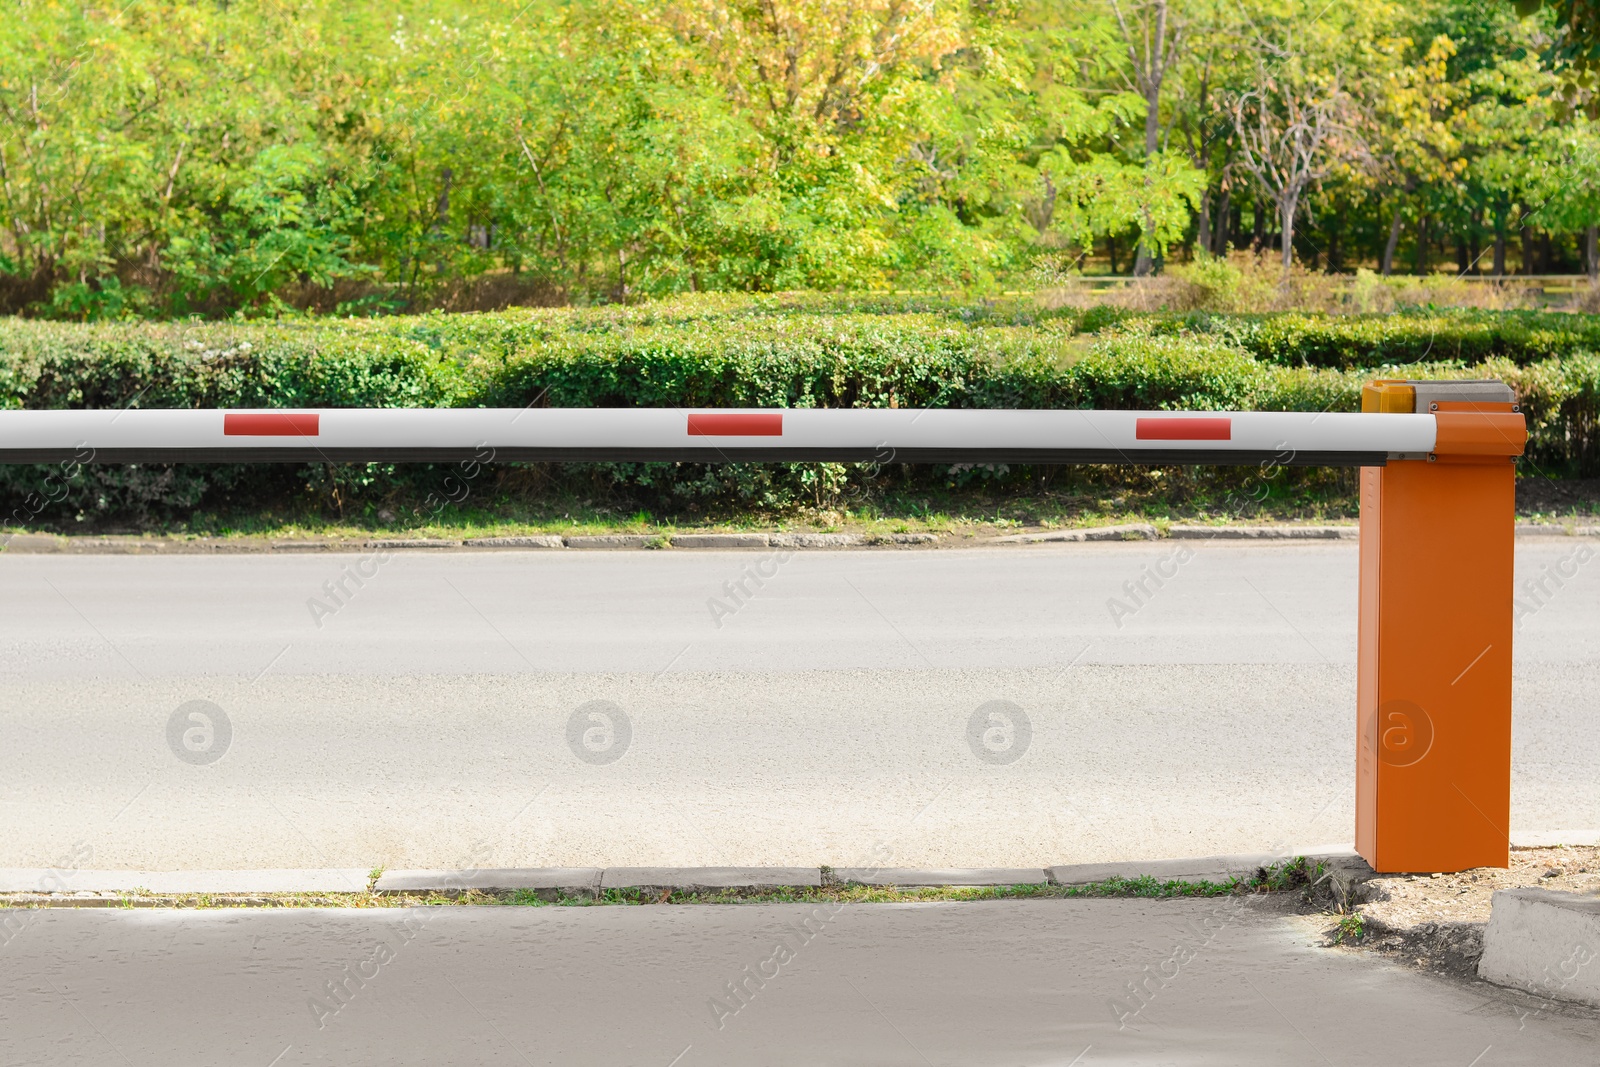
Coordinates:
[1389,395]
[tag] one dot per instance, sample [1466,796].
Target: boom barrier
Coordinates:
[1433,774]
[642,434]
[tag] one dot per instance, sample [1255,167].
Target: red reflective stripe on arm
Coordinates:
[740,425]
[287,424]
[1184,428]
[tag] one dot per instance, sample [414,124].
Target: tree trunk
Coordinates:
[1111,251]
[1224,235]
[441,215]
[1591,252]
[1387,265]
[1288,213]
[1334,264]
[1145,259]
[1420,260]
[1499,244]
[1462,257]
[1528,254]
[1260,236]
[441,209]
[1047,207]
[1202,237]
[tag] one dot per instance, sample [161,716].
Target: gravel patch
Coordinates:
[1436,921]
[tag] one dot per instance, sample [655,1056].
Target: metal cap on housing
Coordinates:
[1419,397]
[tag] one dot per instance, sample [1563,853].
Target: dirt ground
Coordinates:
[1577,498]
[1436,921]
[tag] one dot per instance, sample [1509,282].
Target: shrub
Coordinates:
[783,351]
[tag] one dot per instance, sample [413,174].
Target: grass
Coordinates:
[1069,498]
[1350,928]
[1279,878]
[1060,498]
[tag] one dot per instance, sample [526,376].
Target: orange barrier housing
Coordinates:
[1433,774]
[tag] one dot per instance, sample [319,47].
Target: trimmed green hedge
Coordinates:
[1357,342]
[1351,342]
[777,351]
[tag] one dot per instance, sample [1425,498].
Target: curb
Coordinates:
[585,880]
[536,541]
[51,544]
[611,541]
[1264,533]
[56,885]
[77,887]
[727,540]
[1550,529]
[1204,868]
[923,877]
[1197,869]
[691,878]
[822,540]
[1538,941]
[1136,531]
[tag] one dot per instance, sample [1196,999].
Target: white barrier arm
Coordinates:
[641,434]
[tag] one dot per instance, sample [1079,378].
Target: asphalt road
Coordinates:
[949,707]
[1222,982]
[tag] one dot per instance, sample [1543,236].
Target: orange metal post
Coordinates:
[1433,775]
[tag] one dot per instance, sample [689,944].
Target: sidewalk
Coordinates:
[1229,981]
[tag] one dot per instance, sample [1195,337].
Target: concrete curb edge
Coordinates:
[67,883]
[51,544]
